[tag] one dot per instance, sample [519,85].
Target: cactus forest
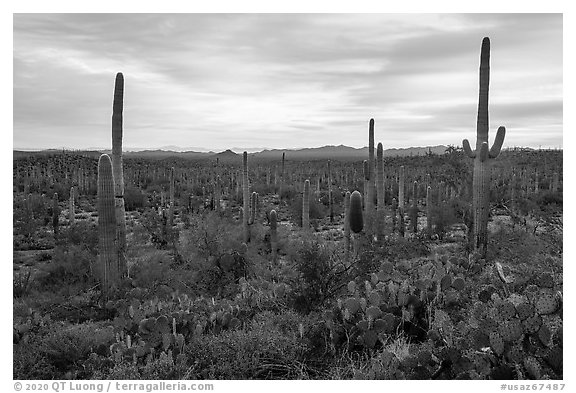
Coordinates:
[446,265]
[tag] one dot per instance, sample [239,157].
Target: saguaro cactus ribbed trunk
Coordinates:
[414,208]
[171,208]
[347,223]
[380,190]
[245,198]
[482,155]
[55,213]
[108,253]
[369,204]
[429,210]
[274,235]
[71,209]
[401,187]
[330,205]
[117,167]
[306,206]
[282,176]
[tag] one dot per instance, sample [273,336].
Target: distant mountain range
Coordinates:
[341,152]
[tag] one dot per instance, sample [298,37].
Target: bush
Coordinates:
[321,274]
[134,199]
[263,350]
[71,266]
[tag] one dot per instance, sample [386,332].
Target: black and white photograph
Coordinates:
[205,197]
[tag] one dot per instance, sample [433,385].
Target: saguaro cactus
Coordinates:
[306,206]
[482,155]
[71,210]
[245,198]
[330,205]
[356,219]
[108,253]
[273,235]
[117,167]
[282,176]
[347,223]
[380,190]
[401,187]
[171,208]
[414,207]
[369,203]
[429,210]
[253,207]
[217,193]
[55,213]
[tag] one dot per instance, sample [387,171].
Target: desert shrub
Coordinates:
[442,217]
[21,283]
[397,249]
[263,350]
[134,199]
[321,274]
[549,198]
[161,234]
[82,234]
[150,269]
[59,348]
[65,345]
[317,210]
[30,363]
[71,267]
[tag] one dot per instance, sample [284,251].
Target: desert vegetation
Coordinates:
[420,267]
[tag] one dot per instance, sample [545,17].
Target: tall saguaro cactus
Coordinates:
[380,215]
[401,181]
[429,210]
[482,155]
[171,208]
[245,198]
[108,253]
[71,209]
[306,206]
[330,204]
[55,213]
[274,235]
[118,171]
[369,204]
[347,223]
[282,176]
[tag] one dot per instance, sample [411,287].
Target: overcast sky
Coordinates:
[284,80]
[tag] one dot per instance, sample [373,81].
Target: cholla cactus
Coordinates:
[117,166]
[108,254]
[482,156]
[306,206]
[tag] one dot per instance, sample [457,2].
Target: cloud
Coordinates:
[282,80]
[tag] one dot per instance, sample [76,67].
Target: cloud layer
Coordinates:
[284,80]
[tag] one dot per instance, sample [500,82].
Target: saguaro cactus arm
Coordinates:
[498,142]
